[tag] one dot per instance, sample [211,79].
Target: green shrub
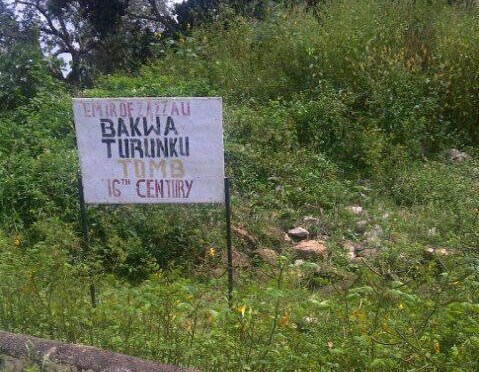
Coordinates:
[353,104]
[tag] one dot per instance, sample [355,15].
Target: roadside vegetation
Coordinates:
[358,121]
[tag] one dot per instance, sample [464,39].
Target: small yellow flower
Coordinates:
[401,306]
[241,309]
[211,252]
[283,322]
[435,345]
[158,275]
[211,316]
[17,241]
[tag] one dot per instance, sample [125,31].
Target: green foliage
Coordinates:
[276,325]
[353,104]
[23,72]
[438,184]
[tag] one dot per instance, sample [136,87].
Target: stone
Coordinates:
[310,249]
[9,364]
[240,259]
[355,209]
[56,367]
[442,252]
[277,235]
[431,251]
[307,322]
[456,156]
[310,320]
[267,255]
[350,248]
[69,357]
[245,235]
[428,251]
[375,234]
[361,226]
[287,239]
[298,263]
[298,233]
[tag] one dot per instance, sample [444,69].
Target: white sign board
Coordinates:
[150,150]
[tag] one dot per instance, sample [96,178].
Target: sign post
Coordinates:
[86,236]
[229,240]
[152,151]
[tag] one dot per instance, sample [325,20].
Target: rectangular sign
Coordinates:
[150,150]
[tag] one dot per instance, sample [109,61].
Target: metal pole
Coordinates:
[86,236]
[229,244]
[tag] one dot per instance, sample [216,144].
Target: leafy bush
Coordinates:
[377,324]
[352,104]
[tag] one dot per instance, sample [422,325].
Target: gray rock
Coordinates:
[267,255]
[442,251]
[9,364]
[298,233]
[432,251]
[350,248]
[54,367]
[456,156]
[375,234]
[240,259]
[355,209]
[79,357]
[298,263]
[287,239]
[310,320]
[428,251]
[361,226]
[277,235]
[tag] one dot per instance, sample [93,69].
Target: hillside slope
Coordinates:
[359,107]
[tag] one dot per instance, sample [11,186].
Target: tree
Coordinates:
[22,69]
[156,13]
[195,12]
[62,30]
[98,36]
[191,13]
